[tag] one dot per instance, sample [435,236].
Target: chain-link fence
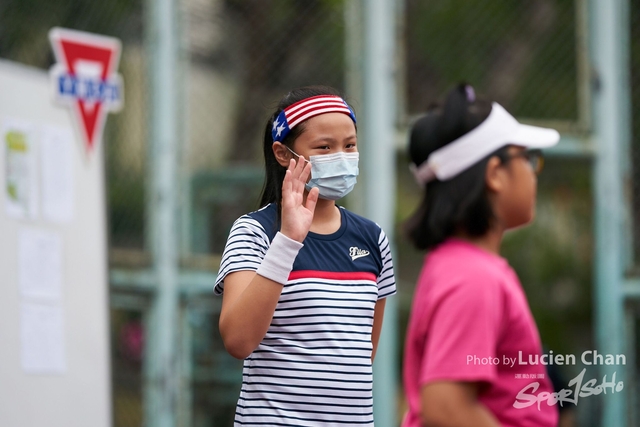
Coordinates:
[529,57]
[239,57]
[634,187]
[24,38]
[24,27]
[634,21]
[243,57]
[526,55]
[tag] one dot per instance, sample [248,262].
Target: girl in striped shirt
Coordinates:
[303,280]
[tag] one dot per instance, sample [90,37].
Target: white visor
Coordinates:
[498,130]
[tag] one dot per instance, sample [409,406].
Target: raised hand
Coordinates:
[296,214]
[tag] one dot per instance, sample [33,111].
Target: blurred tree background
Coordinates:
[526,56]
[634,189]
[521,53]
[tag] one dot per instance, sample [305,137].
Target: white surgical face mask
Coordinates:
[333,174]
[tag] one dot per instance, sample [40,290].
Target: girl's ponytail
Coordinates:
[460,204]
[456,118]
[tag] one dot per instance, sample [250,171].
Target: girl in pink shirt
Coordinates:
[471,332]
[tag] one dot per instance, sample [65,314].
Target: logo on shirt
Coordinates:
[356,253]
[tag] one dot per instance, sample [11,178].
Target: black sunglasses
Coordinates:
[534,157]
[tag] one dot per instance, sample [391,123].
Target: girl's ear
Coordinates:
[495,176]
[281,153]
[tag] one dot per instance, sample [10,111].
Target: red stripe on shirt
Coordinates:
[332,275]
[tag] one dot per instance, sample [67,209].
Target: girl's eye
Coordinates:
[323,147]
[351,145]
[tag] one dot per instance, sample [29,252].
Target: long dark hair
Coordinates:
[460,204]
[274,172]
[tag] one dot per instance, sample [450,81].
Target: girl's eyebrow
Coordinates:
[324,138]
[331,139]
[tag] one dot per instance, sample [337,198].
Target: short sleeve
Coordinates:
[386,278]
[463,332]
[245,249]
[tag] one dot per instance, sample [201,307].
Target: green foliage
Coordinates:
[126,203]
[554,256]
[634,42]
[24,24]
[521,54]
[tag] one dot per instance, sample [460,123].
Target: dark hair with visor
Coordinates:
[460,204]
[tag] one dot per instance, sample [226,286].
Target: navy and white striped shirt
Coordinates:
[313,367]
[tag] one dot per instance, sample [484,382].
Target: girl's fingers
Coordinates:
[299,178]
[297,170]
[304,176]
[296,177]
[312,199]
[287,183]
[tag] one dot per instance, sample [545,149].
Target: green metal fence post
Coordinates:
[610,55]
[162,377]
[379,120]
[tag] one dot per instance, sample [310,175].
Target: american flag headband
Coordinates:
[303,110]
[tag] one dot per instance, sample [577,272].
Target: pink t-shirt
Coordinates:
[469,315]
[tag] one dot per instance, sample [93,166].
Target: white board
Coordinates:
[54,330]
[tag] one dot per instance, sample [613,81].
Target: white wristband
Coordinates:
[278,261]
